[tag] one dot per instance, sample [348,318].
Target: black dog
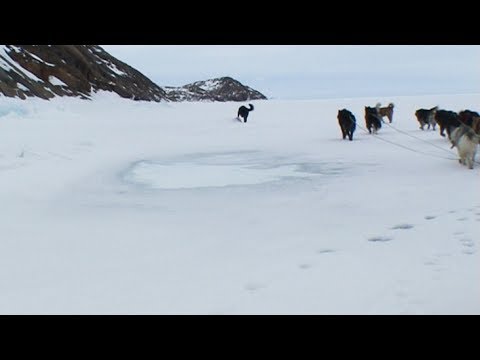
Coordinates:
[372,119]
[466,117]
[447,120]
[347,123]
[244,111]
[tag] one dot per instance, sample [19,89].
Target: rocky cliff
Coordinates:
[70,70]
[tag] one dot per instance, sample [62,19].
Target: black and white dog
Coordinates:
[427,117]
[243,112]
[372,119]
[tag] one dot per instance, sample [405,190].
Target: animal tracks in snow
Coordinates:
[403,227]
[454,212]
[386,238]
[325,251]
[253,287]
[380,239]
[304,266]
[468,246]
[456,226]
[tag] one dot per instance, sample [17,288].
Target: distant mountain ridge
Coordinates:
[219,89]
[46,71]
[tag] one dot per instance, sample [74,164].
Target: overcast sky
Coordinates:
[316,71]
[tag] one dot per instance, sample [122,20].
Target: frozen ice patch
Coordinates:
[191,175]
[212,170]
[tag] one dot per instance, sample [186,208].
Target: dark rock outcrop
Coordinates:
[70,70]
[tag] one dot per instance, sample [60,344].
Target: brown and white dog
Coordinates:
[386,111]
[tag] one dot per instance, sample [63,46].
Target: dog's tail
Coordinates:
[251,107]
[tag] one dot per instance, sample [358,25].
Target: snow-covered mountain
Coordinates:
[219,89]
[46,71]
[70,70]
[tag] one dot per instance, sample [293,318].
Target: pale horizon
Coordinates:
[313,71]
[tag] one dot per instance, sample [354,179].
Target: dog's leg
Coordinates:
[449,132]
[442,131]
[470,163]
[471,156]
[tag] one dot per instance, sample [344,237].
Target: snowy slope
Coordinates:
[47,71]
[124,207]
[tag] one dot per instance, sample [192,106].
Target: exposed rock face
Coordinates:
[47,71]
[70,70]
[220,89]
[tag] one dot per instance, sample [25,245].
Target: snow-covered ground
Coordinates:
[121,207]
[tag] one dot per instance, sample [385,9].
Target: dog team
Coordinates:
[463,128]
